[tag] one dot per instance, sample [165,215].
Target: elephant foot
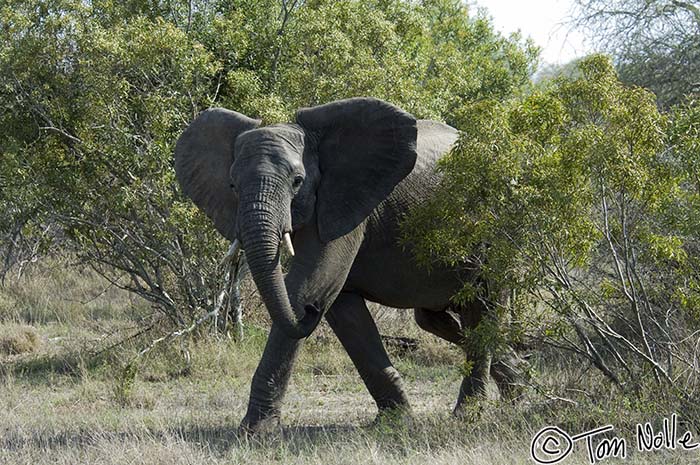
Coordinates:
[397,417]
[474,392]
[470,410]
[256,426]
[481,387]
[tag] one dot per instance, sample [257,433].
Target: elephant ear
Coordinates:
[366,147]
[203,158]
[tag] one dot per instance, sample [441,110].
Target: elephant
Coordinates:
[332,187]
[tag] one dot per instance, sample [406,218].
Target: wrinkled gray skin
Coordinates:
[339,179]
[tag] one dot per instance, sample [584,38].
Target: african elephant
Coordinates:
[333,187]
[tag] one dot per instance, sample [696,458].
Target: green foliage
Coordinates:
[428,58]
[96,93]
[580,195]
[531,171]
[684,212]
[100,113]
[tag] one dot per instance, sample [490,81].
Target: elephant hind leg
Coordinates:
[443,324]
[354,326]
[451,325]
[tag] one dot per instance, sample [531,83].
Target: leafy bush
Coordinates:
[581,198]
[97,93]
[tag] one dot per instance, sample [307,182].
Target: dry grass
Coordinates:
[54,291]
[18,339]
[60,406]
[193,419]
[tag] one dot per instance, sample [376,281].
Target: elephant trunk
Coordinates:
[261,230]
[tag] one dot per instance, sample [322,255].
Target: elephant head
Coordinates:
[327,171]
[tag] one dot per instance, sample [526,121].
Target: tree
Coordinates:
[97,93]
[87,137]
[656,44]
[575,198]
[429,57]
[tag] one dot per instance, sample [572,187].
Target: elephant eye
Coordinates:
[298,179]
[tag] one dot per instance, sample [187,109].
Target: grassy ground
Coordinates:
[59,405]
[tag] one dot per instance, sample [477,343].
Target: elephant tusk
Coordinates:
[233,251]
[288,243]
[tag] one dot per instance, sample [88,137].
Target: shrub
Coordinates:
[98,92]
[18,339]
[577,200]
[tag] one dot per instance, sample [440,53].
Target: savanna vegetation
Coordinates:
[580,193]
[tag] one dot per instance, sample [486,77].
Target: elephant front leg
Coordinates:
[351,321]
[270,382]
